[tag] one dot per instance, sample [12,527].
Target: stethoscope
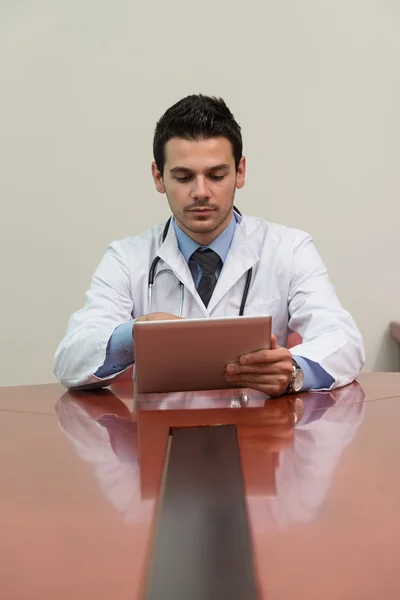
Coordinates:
[152,276]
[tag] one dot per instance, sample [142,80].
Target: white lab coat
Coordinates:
[289,282]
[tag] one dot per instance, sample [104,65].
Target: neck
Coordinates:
[206,238]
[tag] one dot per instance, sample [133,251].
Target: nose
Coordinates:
[200,189]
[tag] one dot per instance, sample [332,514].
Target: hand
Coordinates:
[267,371]
[158,317]
[155,317]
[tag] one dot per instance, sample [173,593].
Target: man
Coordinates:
[207,253]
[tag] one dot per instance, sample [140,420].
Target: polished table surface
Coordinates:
[322,496]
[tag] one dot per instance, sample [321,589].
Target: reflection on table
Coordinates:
[287,465]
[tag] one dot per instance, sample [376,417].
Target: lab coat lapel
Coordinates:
[241,257]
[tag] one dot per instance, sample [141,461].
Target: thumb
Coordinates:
[274,344]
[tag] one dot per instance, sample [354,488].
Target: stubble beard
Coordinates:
[199,227]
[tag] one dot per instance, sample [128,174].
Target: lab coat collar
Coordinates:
[241,257]
[220,245]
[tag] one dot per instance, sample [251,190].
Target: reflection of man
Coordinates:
[103,433]
[204,264]
[307,469]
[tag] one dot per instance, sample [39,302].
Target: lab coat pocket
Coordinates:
[268,308]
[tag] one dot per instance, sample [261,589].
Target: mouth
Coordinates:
[202,211]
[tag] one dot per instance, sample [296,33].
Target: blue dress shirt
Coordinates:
[220,245]
[120,347]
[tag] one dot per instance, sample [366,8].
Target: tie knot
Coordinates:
[207,259]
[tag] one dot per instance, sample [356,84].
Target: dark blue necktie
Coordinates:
[208,261]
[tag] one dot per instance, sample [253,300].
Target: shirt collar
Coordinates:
[220,245]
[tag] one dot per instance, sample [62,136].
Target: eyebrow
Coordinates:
[220,167]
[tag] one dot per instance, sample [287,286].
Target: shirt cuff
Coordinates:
[120,351]
[315,377]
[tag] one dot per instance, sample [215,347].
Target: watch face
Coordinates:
[298,380]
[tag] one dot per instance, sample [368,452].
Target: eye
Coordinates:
[217,177]
[184,179]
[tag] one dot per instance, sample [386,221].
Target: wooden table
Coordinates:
[80,481]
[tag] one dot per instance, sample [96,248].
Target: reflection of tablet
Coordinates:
[191,354]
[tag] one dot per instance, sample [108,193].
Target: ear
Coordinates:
[241,173]
[158,179]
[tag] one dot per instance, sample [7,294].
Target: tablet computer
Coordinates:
[191,354]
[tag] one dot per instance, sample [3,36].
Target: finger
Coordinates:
[273,385]
[262,378]
[261,368]
[274,344]
[158,317]
[164,317]
[232,367]
[264,356]
[241,379]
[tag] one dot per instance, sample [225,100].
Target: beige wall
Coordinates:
[315,85]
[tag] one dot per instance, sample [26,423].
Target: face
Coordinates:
[200,180]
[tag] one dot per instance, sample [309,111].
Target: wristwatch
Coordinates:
[296,379]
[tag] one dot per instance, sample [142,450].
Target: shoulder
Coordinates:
[145,240]
[270,232]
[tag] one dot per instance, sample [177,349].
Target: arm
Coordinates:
[120,351]
[315,378]
[330,337]
[108,304]
[120,348]
[332,351]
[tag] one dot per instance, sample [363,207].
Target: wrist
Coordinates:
[296,379]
